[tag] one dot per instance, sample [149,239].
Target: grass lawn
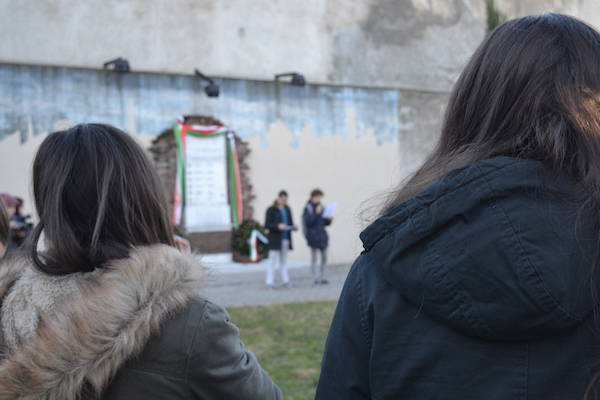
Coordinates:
[288,340]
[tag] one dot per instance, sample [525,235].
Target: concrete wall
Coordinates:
[383,43]
[588,10]
[359,43]
[343,140]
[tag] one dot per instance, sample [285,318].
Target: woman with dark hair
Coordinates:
[479,280]
[111,309]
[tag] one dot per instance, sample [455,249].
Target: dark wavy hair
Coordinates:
[531,90]
[97,196]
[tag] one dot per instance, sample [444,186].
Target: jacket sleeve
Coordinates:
[345,366]
[270,221]
[219,365]
[310,219]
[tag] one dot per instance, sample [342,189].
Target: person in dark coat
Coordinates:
[316,236]
[111,308]
[4,228]
[12,205]
[280,223]
[480,278]
[20,226]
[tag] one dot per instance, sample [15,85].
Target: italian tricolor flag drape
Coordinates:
[181,130]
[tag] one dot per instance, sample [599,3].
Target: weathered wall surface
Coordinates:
[366,43]
[34,99]
[343,140]
[588,10]
[419,44]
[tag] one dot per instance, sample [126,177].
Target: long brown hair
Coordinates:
[531,90]
[97,196]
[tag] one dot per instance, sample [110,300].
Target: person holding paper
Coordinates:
[314,219]
[280,223]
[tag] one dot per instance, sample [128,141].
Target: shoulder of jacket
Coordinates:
[208,323]
[186,324]
[202,312]
[365,276]
[198,306]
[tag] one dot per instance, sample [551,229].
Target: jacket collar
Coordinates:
[464,179]
[106,321]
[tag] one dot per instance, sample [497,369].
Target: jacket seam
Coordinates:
[443,279]
[188,352]
[145,371]
[457,297]
[523,258]
[419,205]
[362,312]
[362,307]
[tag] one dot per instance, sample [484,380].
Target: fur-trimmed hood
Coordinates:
[80,339]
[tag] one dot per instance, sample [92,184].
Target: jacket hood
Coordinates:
[108,316]
[498,250]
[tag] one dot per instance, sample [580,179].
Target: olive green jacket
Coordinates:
[135,329]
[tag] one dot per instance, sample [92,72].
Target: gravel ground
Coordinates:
[248,288]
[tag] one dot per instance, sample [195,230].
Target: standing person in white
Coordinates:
[280,223]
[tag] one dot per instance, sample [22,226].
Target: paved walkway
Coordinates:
[243,285]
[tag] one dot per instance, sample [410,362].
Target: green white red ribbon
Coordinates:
[235,184]
[180,131]
[255,236]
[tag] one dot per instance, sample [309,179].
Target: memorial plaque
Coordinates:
[207,208]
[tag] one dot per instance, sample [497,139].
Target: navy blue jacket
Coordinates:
[314,227]
[477,288]
[272,220]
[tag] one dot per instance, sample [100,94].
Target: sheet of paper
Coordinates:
[329,210]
